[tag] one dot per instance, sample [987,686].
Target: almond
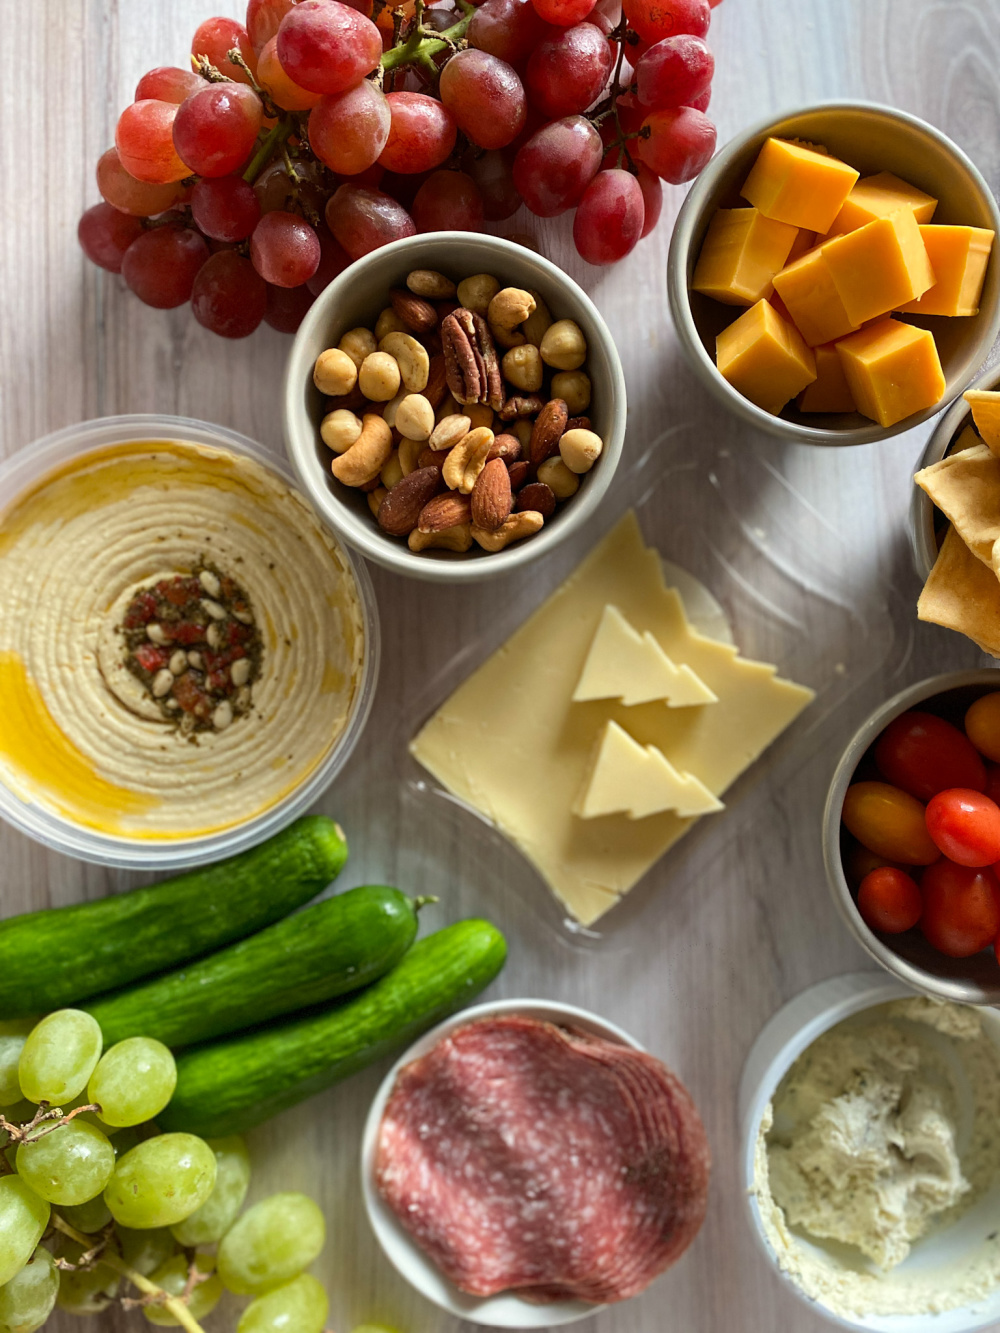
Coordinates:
[507,447]
[519,474]
[537,496]
[445,511]
[401,508]
[416,313]
[491,496]
[548,430]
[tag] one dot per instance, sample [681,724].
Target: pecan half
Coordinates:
[549,427]
[521,405]
[472,369]
[494,380]
[399,511]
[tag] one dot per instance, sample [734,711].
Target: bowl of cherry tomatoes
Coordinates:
[911,836]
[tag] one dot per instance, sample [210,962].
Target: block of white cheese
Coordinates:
[638,781]
[624,664]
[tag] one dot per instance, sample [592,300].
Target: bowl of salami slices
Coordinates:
[527,1163]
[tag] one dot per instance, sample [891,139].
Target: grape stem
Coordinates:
[609,107]
[55,1115]
[276,138]
[235,57]
[424,43]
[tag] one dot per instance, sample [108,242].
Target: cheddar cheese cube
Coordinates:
[812,299]
[958,256]
[892,369]
[879,267]
[793,183]
[740,255]
[803,243]
[764,358]
[985,404]
[829,391]
[876,197]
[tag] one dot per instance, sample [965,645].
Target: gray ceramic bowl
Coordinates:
[356,297]
[927,524]
[872,138]
[909,957]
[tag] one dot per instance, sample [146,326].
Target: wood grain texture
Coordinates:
[728,929]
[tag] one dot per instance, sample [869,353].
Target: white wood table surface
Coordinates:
[727,930]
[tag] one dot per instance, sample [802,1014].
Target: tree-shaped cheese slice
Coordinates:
[626,778]
[624,664]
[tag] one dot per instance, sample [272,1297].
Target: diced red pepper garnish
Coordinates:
[188,632]
[141,610]
[151,657]
[191,696]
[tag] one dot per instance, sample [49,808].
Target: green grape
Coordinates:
[222,1207]
[133,1081]
[59,1056]
[90,1217]
[70,1165]
[172,1277]
[10,1053]
[300,1305]
[23,1219]
[27,1299]
[161,1181]
[271,1243]
[145,1250]
[88,1290]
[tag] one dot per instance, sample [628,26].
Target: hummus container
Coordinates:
[783,1039]
[872,138]
[908,957]
[355,298]
[504,1310]
[337,662]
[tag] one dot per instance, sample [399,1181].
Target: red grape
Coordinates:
[284,249]
[215,38]
[567,73]
[494,176]
[286,307]
[326,47]
[448,201]
[485,96]
[680,143]
[606,14]
[563,13]
[263,20]
[278,86]
[674,72]
[168,84]
[275,189]
[557,164]
[105,234]
[652,197]
[160,266]
[145,142]
[507,29]
[362,219]
[655,19]
[701,103]
[422,133]
[216,128]
[229,296]
[127,194]
[609,217]
[333,259]
[348,131]
[225,208]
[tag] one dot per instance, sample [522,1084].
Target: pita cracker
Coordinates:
[966,488]
[963,594]
[985,404]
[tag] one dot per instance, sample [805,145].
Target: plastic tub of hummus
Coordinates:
[871,1157]
[187,656]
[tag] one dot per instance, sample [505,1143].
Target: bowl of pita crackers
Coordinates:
[955,518]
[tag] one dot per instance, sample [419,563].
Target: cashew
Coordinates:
[522,429]
[480,414]
[563,345]
[538,321]
[334,372]
[477,292]
[573,387]
[560,480]
[522,367]
[358,343]
[409,453]
[411,357]
[580,449]
[392,472]
[449,430]
[506,337]
[510,307]
[449,539]
[427,282]
[367,457]
[524,524]
[339,430]
[388,322]
[415,417]
[379,377]
[466,460]
[375,499]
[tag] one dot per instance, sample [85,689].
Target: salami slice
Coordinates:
[523,1156]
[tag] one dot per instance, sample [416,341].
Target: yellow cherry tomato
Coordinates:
[982,726]
[889,822]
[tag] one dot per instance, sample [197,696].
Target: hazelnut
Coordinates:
[560,480]
[358,343]
[522,367]
[334,372]
[339,430]
[388,322]
[573,387]
[379,377]
[510,307]
[563,345]
[477,292]
[580,449]
[415,417]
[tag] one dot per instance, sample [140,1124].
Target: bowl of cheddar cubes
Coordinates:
[833,274]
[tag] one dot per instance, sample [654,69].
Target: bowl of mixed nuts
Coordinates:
[454,406]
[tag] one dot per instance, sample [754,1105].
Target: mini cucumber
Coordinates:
[55,957]
[233,1085]
[333,947]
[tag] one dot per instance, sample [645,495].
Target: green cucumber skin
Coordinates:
[58,956]
[238,1084]
[333,947]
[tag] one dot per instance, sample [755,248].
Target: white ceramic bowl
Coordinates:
[780,1043]
[505,1310]
[871,138]
[356,297]
[28,466]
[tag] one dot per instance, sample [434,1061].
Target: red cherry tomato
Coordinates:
[889,822]
[924,754]
[961,908]
[966,826]
[889,901]
[982,726]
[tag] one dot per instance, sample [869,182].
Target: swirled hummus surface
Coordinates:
[180,640]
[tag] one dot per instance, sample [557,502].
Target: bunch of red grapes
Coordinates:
[322,130]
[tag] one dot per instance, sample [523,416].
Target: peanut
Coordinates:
[409,455]
[375,499]
[334,372]
[563,345]
[379,377]
[388,322]
[449,430]
[415,417]
[411,358]
[477,292]
[466,460]
[339,430]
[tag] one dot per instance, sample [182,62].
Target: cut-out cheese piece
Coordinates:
[810,295]
[985,404]
[793,182]
[764,358]
[958,256]
[741,253]
[878,196]
[963,594]
[624,664]
[893,370]
[637,781]
[511,744]
[965,486]
[880,266]
[829,391]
